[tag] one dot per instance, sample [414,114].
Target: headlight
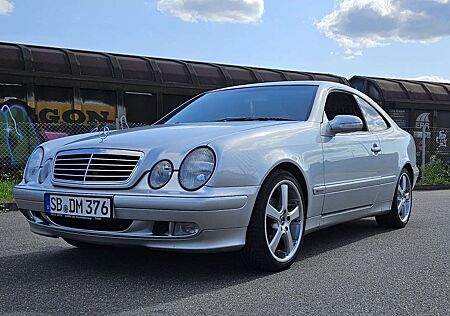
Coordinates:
[45,170]
[160,174]
[33,164]
[197,168]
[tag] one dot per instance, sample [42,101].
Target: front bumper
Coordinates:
[222,218]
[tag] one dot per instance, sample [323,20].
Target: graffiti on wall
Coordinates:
[18,137]
[57,112]
[441,139]
[24,128]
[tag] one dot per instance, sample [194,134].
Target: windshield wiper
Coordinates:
[251,118]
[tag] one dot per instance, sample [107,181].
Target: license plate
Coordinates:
[78,206]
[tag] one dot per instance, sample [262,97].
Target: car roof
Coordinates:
[321,84]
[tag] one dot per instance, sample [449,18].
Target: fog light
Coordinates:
[183,229]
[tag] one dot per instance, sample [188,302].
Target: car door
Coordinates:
[389,155]
[351,164]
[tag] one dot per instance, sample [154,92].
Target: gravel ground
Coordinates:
[351,269]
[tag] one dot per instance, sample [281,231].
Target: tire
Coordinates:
[268,246]
[401,207]
[84,245]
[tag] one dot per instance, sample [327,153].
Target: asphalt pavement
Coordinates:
[351,269]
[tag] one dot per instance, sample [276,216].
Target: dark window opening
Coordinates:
[339,103]
[141,107]
[54,94]
[12,91]
[443,119]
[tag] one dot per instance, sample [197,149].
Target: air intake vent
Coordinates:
[115,225]
[96,166]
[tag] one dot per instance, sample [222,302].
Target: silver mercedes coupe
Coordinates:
[251,168]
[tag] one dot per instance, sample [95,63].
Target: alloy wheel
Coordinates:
[404,197]
[284,221]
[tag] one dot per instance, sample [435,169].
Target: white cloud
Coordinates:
[6,7]
[352,53]
[359,24]
[432,79]
[230,11]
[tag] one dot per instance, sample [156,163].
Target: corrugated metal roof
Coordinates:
[58,62]
[403,90]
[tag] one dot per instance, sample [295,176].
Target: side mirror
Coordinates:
[346,124]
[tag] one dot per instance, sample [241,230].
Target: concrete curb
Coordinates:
[8,207]
[431,187]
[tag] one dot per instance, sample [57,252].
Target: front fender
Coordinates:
[246,161]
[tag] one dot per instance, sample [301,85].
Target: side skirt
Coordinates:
[318,222]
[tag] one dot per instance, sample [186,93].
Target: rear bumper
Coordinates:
[222,219]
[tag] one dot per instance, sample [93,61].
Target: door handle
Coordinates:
[375,148]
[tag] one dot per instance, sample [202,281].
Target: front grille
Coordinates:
[114,225]
[95,166]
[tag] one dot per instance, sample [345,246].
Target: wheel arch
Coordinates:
[297,172]
[409,167]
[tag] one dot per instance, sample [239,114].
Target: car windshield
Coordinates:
[277,103]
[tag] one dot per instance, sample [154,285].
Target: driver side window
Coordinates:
[340,103]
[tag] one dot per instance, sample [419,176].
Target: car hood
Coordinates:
[178,136]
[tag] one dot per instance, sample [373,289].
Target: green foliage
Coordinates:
[436,172]
[7,183]
[6,187]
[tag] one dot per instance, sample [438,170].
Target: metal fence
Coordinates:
[431,143]
[17,141]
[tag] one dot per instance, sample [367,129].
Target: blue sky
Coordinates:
[394,38]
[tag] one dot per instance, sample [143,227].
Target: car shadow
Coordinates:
[338,236]
[72,281]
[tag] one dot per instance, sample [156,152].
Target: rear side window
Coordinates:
[375,122]
[340,103]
